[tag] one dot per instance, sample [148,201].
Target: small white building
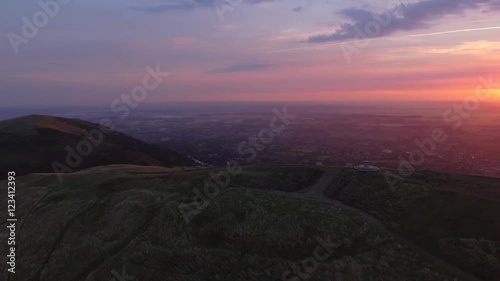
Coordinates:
[367,167]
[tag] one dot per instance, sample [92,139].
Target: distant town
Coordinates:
[330,135]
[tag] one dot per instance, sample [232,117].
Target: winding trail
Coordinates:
[316,193]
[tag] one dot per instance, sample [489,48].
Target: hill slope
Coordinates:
[35,143]
[121,220]
[455,217]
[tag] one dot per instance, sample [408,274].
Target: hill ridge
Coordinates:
[33,143]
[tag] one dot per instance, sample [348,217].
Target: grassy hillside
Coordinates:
[277,178]
[449,215]
[108,218]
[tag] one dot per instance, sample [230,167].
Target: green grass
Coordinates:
[429,216]
[93,223]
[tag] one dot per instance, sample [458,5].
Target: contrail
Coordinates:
[398,37]
[454,31]
[318,46]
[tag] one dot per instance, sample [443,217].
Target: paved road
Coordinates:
[315,193]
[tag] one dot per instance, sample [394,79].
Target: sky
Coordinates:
[91,52]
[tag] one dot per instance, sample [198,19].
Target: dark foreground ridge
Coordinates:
[125,219]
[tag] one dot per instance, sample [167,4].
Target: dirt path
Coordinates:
[315,193]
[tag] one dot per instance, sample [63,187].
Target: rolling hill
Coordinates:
[40,143]
[269,223]
[121,219]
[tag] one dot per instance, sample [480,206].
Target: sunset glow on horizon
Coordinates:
[261,50]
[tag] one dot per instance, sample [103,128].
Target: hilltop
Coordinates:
[35,143]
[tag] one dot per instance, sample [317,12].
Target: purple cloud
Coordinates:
[242,67]
[173,5]
[298,9]
[402,17]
